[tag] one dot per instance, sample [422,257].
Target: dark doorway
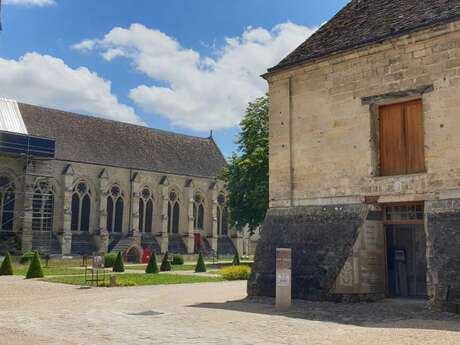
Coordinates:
[405,250]
[406,260]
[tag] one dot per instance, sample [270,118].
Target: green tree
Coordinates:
[118,265]
[165,264]
[152,266]
[35,268]
[200,265]
[236,260]
[6,269]
[246,175]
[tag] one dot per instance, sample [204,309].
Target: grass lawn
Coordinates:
[134,279]
[185,267]
[21,270]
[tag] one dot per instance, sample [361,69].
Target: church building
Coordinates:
[76,185]
[365,157]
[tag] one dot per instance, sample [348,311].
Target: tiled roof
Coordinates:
[94,140]
[362,22]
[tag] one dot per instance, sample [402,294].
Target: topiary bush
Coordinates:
[118,265]
[26,258]
[200,265]
[241,272]
[152,266]
[165,264]
[178,259]
[35,268]
[109,259]
[6,269]
[236,260]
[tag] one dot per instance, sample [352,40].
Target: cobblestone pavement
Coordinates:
[33,312]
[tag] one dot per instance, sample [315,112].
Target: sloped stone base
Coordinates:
[321,238]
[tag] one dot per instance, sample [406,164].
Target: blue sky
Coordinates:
[182,65]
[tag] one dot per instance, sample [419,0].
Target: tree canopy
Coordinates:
[246,175]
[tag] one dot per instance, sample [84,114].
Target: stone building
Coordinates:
[73,184]
[364,156]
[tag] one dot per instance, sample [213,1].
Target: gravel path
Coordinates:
[34,312]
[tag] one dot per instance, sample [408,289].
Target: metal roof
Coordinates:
[10,117]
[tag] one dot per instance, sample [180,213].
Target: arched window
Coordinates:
[81,207]
[198,212]
[7,201]
[222,215]
[145,211]
[115,207]
[173,213]
[43,206]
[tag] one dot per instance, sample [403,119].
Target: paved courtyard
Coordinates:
[33,312]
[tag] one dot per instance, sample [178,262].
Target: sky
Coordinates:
[188,66]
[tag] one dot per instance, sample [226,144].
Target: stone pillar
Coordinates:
[164,219]
[102,211]
[66,239]
[26,241]
[189,237]
[215,235]
[135,193]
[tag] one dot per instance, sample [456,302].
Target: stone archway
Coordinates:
[133,254]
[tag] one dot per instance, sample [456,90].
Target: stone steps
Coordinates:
[225,246]
[45,242]
[83,244]
[176,244]
[151,242]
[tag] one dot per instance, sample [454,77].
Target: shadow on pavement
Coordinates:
[390,313]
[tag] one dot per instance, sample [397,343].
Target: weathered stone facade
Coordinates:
[63,176]
[324,153]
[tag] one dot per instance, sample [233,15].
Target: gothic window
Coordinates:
[81,207]
[222,215]
[145,211]
[7,201]
[43,206]
[115,207]
[173,213]
[198,212]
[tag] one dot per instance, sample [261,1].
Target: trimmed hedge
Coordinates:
[35,268]
[118,265]
[109,259]
[165,264]
[236,260]
[200,265]
[6,269]
[152,266]
[177,259]
[240,272]
[26,258]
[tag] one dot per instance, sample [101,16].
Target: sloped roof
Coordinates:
[362,22]
[94,140]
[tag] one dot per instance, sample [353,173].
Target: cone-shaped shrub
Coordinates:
[35,268]
[6,269]
[165,264]
[118,264]
[152,266]
[200,266]
[236,260]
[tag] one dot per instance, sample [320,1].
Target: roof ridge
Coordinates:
[103,119]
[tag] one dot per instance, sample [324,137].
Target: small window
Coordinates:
[404,214]
[401,138]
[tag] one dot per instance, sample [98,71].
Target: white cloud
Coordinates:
[201,92]
[39,3]
[48,81]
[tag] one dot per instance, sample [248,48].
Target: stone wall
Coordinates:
[443,248]
[66,175]
[321,238]
[323,139]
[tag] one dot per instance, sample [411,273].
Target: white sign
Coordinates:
[283,278]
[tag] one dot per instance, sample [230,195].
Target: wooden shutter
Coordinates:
[414,137]
[392,153]
[401,138]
